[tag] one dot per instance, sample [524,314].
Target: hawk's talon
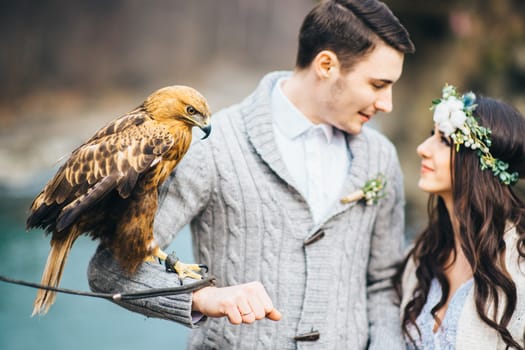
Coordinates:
[173,264]
[170,263]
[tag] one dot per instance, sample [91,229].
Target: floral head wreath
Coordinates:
[453,115]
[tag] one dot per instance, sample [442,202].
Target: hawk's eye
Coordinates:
[191,110]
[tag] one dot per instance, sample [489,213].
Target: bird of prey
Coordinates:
[108,188]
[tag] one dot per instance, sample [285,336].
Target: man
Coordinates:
[263,194]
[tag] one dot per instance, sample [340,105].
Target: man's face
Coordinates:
[349,100]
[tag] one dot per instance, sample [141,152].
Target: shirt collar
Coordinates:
[289,119]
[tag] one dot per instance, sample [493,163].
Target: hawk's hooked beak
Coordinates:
[203,122]
[207,130]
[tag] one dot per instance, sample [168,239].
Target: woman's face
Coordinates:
[435,176]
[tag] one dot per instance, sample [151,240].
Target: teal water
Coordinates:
[73,322]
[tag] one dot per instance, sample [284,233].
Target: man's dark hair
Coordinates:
[351,29]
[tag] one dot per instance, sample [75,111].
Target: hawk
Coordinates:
[108,187]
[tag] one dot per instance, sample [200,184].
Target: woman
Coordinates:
[462,285]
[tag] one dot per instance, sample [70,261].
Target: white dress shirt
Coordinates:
[316,155]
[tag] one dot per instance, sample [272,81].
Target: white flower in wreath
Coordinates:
[449,115]
[448,91]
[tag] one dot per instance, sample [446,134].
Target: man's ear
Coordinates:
[325,64]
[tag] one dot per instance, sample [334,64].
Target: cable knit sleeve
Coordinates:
[188,192]
[386,250]
[182,197]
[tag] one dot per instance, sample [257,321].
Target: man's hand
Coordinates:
[244,303]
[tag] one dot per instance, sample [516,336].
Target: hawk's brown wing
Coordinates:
[112,159]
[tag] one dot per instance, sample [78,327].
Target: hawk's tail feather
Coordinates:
[52,274]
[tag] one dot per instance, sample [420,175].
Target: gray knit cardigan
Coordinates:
[249,222]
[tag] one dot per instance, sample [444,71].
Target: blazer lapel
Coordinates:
[358,175]
[259,127]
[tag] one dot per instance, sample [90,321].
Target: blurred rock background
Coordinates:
[68,67]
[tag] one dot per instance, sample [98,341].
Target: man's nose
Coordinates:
[384,101]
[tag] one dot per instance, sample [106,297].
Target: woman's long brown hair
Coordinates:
[483,206]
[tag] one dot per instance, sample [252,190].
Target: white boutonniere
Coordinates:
[372,191]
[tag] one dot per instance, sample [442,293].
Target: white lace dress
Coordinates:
[445,337]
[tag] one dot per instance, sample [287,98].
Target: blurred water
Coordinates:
[74,322]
